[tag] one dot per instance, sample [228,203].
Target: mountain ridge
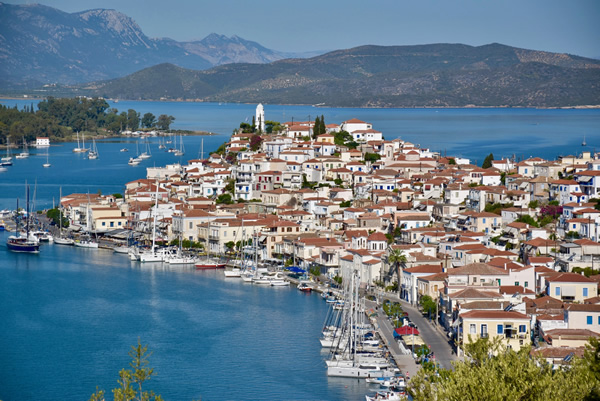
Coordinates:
[43,45]
[437,75]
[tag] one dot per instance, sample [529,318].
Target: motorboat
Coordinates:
[86,243]
[64,241]
[277,282]
[134,161]
[124,150]
[43,236]
[304,287]
[235,272]
[208,264]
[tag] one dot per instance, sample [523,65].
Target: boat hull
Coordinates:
[22,245]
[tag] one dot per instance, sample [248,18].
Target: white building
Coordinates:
[42,142]
[260,117]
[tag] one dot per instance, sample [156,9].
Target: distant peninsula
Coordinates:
[439,75]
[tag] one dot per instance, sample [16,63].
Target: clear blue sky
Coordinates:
[565,26]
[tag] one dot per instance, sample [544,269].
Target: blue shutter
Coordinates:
[589,320]
[500,329]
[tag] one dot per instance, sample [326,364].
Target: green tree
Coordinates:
[487,162]
[224,199]
[396,257]
[492,372]
[372,157]
[316,128]
[148,120]
[132,381]
[429,305]
[133,120]
[164,122]
[451,161]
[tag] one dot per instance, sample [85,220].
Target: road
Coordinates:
[433,336]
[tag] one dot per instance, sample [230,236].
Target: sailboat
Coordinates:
[60,239]
[7,160]
[134,161]
[583,143]
[80,149]
[93,153]
[25,153]
[47,164]
[152,255]
[161,144]
[146,154]
[180,151]
[17,243]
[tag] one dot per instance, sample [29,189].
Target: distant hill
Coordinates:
[43,45]
[437,75]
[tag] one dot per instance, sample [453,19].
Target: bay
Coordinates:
[70,315]
[471,133]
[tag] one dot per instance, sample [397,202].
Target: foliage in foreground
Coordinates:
[509,376]
[131,381]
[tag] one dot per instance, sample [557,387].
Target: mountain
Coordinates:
[438,75]
[43,45]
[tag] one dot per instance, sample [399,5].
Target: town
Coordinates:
[508,250]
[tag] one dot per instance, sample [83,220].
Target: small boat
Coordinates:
[134,161]
[124,150]
[235,272]
[122,249]
[80,149]
[47,164]
[86,244]
[64,241]
[93,154]
[279,283]
[304,287]
[209,264]
[8,157]
[43,236]
[180,260]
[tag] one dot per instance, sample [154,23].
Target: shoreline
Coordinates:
[321,105]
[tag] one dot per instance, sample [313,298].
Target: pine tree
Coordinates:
[316,127]
[322,129]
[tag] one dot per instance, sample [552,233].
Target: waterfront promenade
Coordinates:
[431,333]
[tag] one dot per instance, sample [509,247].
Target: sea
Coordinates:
[70,315]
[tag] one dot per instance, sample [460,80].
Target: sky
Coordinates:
[562,26]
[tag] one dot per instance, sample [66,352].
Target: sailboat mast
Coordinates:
[27,222]
[154,222]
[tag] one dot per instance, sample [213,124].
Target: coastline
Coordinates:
[324,105]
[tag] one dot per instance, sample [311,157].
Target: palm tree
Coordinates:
[397,257]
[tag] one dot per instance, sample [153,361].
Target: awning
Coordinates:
[406,330]
[295,269]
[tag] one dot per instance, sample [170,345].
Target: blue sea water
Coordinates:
[70,315]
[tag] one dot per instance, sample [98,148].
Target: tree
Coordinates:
[316,127]
[429,305]
[487,162]
[372,157]
[148,120]
[451,162]
[224,199]
[492,372]
[132,381]
[396,257]
[164,122]
[255,142]
[133,120]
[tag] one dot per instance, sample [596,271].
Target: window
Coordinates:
[526,284]
[484,332]
[484,220]
[472,329]
[585,292]
[522,328]
[112,224]
[557,291]
[516,283]
[224,233]
[103,223]
[191,225]
[500,329]
[590,320]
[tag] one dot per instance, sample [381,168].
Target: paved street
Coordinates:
[434,337]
